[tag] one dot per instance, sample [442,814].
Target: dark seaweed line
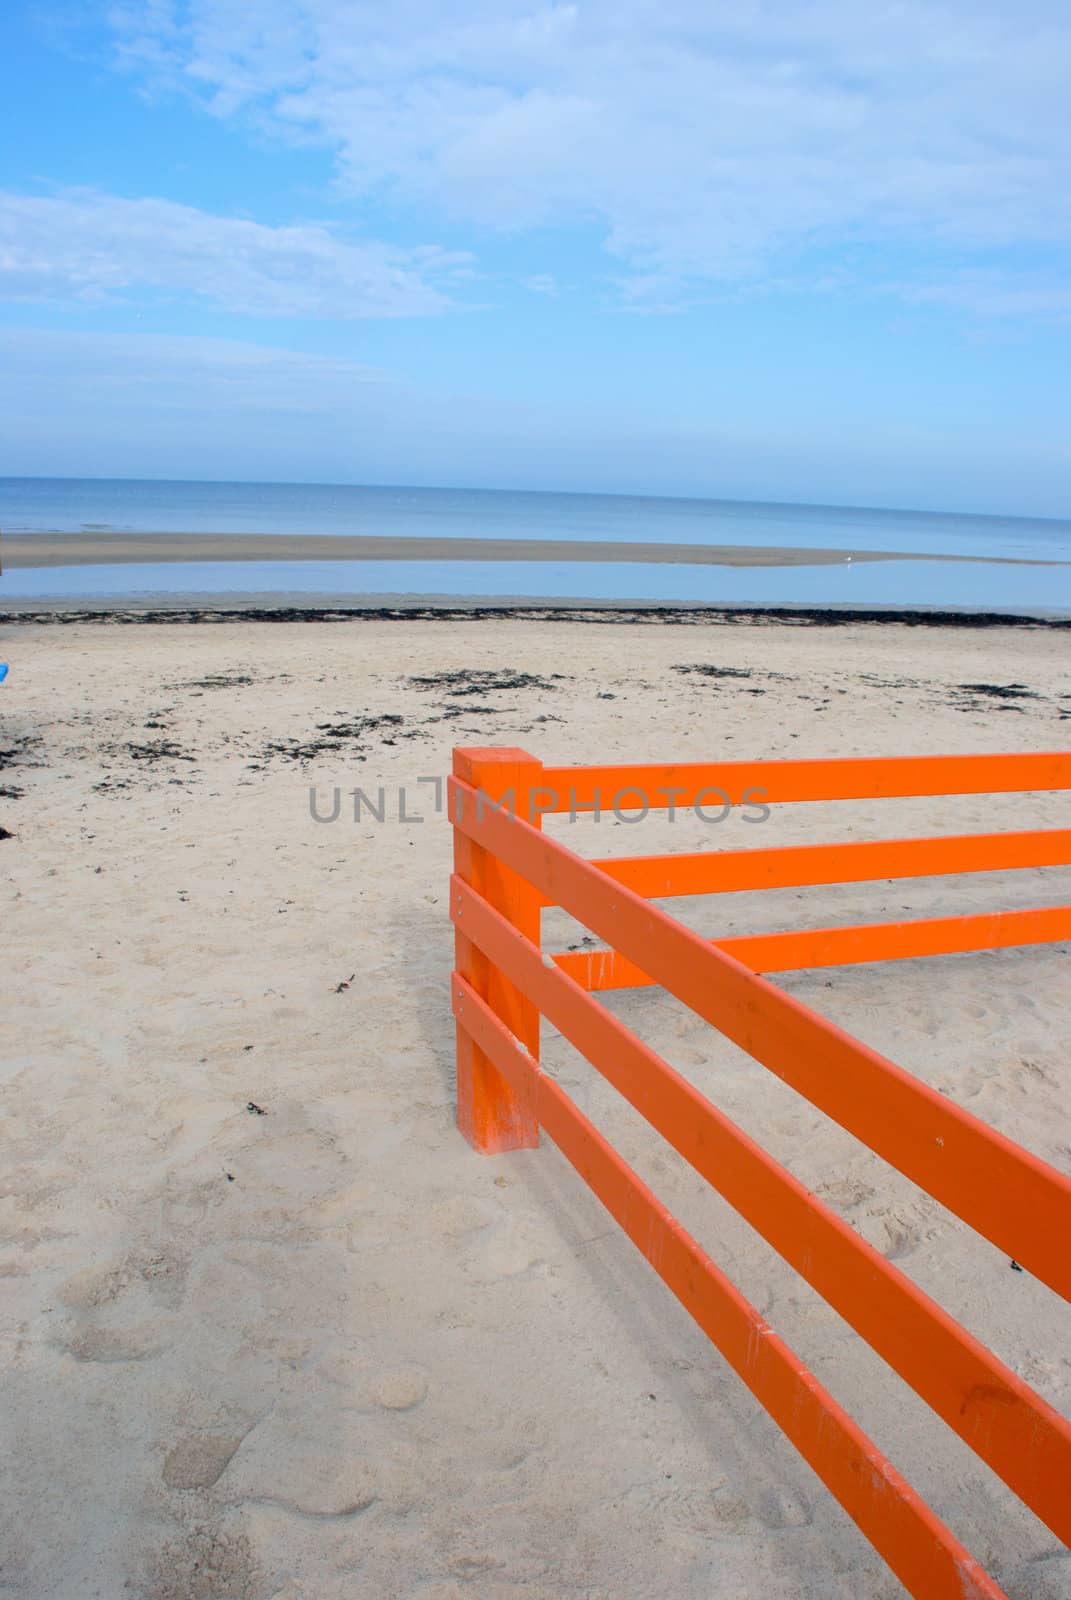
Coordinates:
[670,615]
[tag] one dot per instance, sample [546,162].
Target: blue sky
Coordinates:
[781,250]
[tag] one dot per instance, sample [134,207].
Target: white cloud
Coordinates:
[708,142]
[990,294]
[541,283]
[81,245]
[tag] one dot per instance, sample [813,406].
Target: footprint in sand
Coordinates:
[461,1214]
[308,1479]
[689,1056]
[205,1563]
[161,1271]
[148,1278]
[501,1251]
[686,1027]
[139,1343]
[91,1288]
[900,1233]
[309,1459]
[400,1390]
[844,1193]
[34,1188]
[709,1512]
[347,1368]
[781,1508]
[198,1460]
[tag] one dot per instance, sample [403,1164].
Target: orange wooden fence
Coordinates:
[507,870]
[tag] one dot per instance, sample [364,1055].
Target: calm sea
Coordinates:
[102,505]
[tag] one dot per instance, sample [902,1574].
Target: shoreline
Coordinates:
[63,549]
[185,610]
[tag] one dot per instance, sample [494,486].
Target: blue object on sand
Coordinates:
[3,670]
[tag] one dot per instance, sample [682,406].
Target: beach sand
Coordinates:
[273,1331]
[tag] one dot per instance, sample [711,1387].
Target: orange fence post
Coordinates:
[493,1114]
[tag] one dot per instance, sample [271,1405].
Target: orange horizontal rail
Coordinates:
[923,1553]
[778,782]
[836,947]
[789,866]
[1003,1420]
[1018,1202]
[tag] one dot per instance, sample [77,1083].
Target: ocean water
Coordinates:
[102,505]
[894,584]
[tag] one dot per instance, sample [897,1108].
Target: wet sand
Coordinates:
[112,549]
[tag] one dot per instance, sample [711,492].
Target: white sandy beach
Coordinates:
[318,1349]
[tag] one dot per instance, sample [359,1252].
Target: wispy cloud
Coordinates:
[81,245]
[132,404]
[541,283]
[709,143]
[169,371]
[989,294]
